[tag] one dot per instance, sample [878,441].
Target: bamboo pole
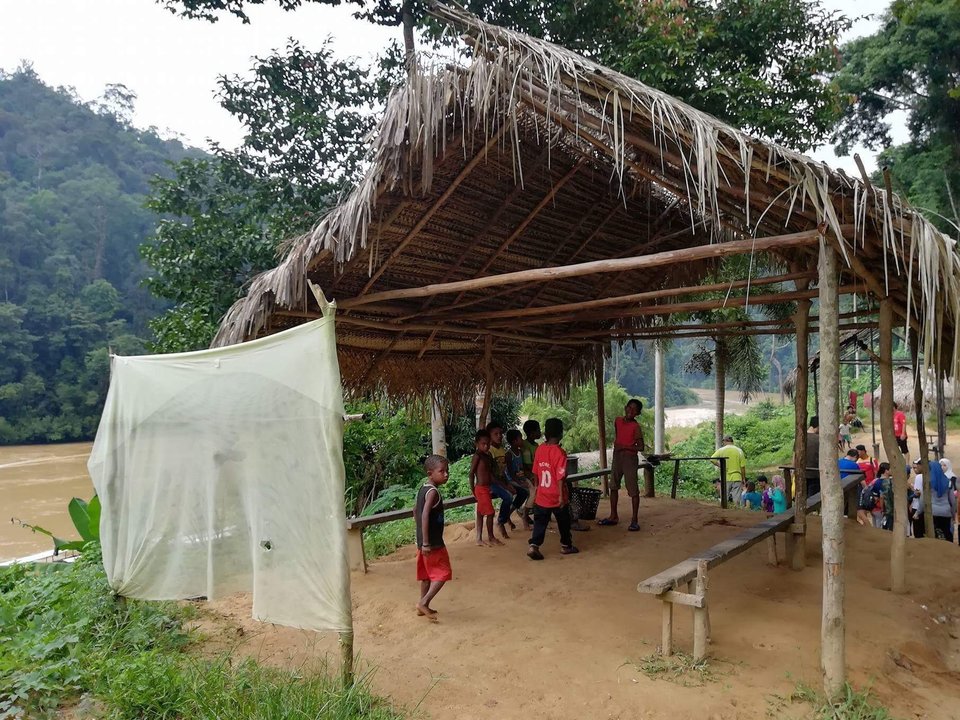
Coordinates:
[673,308]
[798,560]
[922,435]
[720,390]
[601,420]
[832,629]
[633,298]
[894,456]
[661,259]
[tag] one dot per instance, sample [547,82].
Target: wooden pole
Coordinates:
[898,544]
[922,435]
[438,432]
[832,628]
[661,259]
[798,540]
[719,389]
[601,421]
[659,398]
[488,381]
[941,417]
[346,657]
[700,618]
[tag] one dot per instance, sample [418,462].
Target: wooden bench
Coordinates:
[356,525]
[686,582]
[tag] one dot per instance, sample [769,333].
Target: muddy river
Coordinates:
[36,483]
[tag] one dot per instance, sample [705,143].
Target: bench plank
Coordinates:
[686,570]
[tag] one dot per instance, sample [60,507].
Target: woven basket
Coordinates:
[585,502]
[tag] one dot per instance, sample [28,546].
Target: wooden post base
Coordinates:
[358,560]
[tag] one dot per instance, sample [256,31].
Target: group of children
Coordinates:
[765,495]
[529,479]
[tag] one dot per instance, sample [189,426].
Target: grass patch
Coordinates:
[679,668]
[852,705]
[65,635]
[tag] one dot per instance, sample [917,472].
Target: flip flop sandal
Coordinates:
[634,527]
[606,522]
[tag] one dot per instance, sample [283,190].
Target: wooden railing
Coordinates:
[356,525]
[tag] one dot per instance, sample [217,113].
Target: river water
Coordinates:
[36,483]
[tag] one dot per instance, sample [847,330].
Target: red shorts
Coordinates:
[434,565]
[484,499]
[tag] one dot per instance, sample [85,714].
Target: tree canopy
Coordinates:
[910,65]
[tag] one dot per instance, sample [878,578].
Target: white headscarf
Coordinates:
[948,469]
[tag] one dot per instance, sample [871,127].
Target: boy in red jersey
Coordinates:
[433,561]
[481,477]
[550,469]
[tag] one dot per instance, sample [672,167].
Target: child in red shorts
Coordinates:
[433,562]
[481,476]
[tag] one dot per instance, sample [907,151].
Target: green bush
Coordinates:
[63,633]
[764,433]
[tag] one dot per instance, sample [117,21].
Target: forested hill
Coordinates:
[73,180]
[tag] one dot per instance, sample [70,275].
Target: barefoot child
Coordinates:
[433,562]
[517,476]
[550,468]
[481,477]
[499,487]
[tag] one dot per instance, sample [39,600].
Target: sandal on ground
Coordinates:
[535,554]
[607,521]
[568,550]
[634,527]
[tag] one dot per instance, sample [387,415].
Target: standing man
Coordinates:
[868,465]
[627,446]
[900,428]
[736,466]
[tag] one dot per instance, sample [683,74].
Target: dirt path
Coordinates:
[561,638]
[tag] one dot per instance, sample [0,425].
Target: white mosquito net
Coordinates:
[222,470]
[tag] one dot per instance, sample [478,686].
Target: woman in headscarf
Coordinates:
[944,502]
[947,468]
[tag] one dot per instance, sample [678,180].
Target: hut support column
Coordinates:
[921,434]
[659,401]
[832,628]
[484,417]
[438,433]
[720,387]
[601,422]
[798,551]
[898,544]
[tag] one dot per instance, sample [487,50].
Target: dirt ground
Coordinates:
[562,638]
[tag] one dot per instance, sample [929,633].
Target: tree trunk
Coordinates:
[832,641]
[720,379]
[922,435]
[894,456]
[802,323]
[406,18]
[659,395]
[438,433]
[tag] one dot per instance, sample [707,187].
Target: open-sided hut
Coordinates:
[527,207]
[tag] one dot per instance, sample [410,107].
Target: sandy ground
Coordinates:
[561,638]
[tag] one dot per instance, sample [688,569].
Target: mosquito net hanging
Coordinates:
[222,470]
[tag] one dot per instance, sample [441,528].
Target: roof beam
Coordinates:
[685,307]
[656,260]
[634,298]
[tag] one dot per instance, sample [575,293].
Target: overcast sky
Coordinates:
[172,64]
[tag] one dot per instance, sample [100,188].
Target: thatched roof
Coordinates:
[527,156]
[903,392]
